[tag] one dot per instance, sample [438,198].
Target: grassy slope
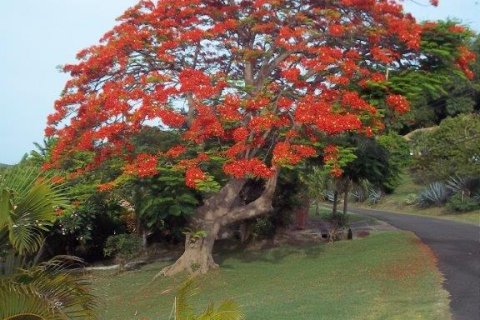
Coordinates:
[388,275]
[396,203]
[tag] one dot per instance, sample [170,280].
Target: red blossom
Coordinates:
[145,165]
[247,167]
[193,175]
[398,103]
[185,66]
[176,151]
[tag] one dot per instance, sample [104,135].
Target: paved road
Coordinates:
[457,246]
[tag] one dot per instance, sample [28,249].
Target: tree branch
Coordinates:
[261,205]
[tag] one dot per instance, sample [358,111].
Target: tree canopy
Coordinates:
[249,85]
[248,78]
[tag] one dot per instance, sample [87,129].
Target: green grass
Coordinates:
[389,275]
[396,202]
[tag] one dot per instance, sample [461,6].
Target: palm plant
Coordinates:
[182,310]
[44,291]
[29,204]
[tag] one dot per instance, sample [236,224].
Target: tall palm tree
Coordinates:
[29,204]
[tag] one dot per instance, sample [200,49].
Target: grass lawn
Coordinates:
[388,275]
[396,202]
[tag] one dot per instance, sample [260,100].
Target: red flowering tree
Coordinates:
[255,83]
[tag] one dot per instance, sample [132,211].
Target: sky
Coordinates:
[36,36]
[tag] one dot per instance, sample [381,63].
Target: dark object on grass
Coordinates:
[350,234]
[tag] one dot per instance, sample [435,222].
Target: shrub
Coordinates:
[374,196]
[461,203]
[435,194]
[123,247]
[264,227]
[411,199]
[467,185]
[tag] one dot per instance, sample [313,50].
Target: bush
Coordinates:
[411,199]
[450,149]
[461,203]
[374,196]
[123,246]
[466,185]
[435,194]
[264,227]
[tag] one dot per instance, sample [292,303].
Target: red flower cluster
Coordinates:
[464,60]
[330,158]
[240,134]
[176,151]
[398,103]
[247,167]
[145,165]
[336,30]
[171,118]
[285,153]
[106,186]
[353,101]
[161,53]
[193,175]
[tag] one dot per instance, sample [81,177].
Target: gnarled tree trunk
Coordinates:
[222,209]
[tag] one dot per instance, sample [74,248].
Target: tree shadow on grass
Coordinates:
[267,252]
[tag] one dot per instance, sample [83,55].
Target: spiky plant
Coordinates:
[374,195]
[435,193]
[464,185]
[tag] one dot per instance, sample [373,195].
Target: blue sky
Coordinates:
[38,35]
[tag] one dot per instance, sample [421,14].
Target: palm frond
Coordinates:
[27,207]
[183,310]
[227,310]
[46,291]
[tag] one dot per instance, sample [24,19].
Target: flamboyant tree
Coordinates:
[254,84]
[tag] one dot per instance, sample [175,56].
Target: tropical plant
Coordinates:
[374,195]
[182,309]
[51,290]
[435,193]
[29,203]
[463,185]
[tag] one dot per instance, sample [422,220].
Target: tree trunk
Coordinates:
[144,239]
[335,201]
[197,257]
[345,197]
[220,210]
